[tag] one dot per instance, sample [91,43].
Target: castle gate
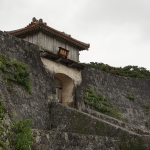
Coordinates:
[64,89]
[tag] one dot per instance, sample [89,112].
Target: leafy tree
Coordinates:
[127,71]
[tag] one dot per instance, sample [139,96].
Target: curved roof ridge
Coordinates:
[39,24]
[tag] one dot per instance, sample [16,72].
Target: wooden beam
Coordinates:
[70,65]
[59,59]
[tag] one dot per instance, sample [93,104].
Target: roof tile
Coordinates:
[40,25]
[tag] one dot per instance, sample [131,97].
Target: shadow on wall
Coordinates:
[64,89]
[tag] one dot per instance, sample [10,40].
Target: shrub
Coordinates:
[3,145]
[100,103]
[127,71]
[23,135]
[19,134]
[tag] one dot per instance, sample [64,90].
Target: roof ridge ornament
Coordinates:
[36,25]
[40,20]
[34,19]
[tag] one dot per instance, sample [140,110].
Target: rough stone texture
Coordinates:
[119,123]
[115,88]
[20,102]
[67,119]
[56,140]
[59,127]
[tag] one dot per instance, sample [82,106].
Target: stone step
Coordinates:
[116,122]
[73,120]
[70,120]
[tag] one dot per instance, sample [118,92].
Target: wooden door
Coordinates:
[58,86]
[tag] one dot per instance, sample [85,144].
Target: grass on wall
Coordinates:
[3,144]
[15,71]
[100,103]
[19,133]
[130,96]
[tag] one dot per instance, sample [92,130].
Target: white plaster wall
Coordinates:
[54,67]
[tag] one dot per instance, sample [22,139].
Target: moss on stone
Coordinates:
[131,143]
[80,122]
[83,124]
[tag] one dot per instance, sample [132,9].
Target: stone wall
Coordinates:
[59,127]
[18,100]
[65,119]
[56,140]
[116,88]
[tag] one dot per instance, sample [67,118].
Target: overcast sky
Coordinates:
[118,30]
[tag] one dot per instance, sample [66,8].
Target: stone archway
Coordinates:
[64,89]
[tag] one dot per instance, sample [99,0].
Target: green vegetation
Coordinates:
[132,143]
[81,123]
[146,124]
[19,133]
[29,50]
[127,71]
[14,71]
[84,124]
[130,96]
[2,143]
[23,135]
[146,109]
[1,110]
[100,103]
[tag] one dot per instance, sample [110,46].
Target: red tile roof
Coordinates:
[36,25]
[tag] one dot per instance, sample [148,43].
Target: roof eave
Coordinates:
[21,32]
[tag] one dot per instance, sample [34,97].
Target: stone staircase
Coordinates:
[116,122]
[89,125]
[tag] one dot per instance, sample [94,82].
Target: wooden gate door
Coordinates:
[58,86]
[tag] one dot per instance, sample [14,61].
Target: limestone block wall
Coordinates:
[116,88]
[52,140]
[65,119]
[16,98]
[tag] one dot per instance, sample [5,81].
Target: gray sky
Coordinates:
[118,30]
